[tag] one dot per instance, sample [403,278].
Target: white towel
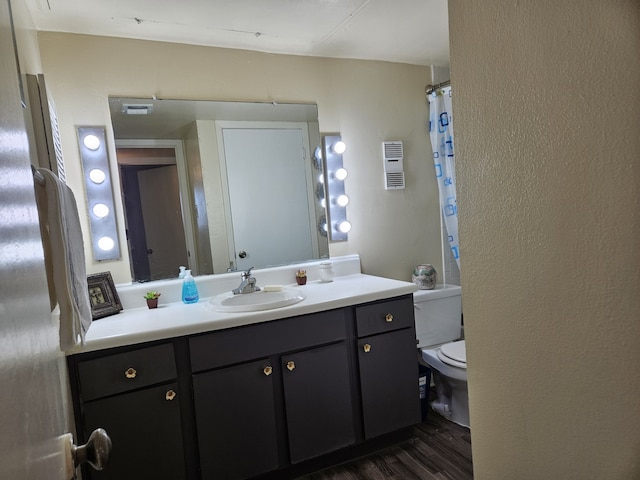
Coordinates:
[64,257]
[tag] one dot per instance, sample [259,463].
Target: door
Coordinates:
[163,228]
[317,395]
[273,160]
[235,418]
[32,372]
[389,382]
[146,432]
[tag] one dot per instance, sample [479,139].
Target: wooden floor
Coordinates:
[439,450]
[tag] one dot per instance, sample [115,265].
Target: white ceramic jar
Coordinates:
[326,272]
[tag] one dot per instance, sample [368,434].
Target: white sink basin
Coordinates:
[256,301]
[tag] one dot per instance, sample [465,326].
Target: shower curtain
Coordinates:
[441,132]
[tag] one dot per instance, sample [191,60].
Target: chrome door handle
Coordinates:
[95,452]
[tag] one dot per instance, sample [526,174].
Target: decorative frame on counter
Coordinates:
[103,296]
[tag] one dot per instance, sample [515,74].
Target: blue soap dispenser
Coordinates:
[189,289]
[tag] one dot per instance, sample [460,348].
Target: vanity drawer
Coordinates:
[126,371]
[384,316]
[236,345]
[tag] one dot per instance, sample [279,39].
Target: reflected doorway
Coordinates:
[153,214]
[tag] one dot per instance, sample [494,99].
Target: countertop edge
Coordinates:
[136,326]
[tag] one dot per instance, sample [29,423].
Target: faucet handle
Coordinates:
[247,274]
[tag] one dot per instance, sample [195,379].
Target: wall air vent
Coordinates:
[392,153]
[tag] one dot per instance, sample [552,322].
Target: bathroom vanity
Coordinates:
[257,394]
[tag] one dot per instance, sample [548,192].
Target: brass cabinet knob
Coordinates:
[366,347]
[170,395]
[389,317]
[130,373]
[268,370]
[291,366]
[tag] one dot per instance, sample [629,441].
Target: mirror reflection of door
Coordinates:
[267,181]
[153,218]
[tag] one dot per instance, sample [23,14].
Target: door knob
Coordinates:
[242,254]
[95,452]
[149,251]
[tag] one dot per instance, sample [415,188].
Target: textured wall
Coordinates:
[547,110]
[367,102]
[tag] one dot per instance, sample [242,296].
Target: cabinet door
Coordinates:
[145,430]
[389,382]
[236,423]
[318,401]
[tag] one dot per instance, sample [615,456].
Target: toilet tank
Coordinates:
[438,315]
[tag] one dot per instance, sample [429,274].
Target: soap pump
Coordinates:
[183,271]
[189,289]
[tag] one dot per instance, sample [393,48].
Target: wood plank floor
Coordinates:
[439,450]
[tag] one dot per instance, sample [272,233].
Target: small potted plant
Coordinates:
[152,299]
[301,277]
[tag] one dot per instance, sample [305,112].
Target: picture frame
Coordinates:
[103,296]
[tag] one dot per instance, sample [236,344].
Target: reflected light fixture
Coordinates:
[334,176]
[97,183]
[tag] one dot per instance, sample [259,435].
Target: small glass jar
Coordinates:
[326,271]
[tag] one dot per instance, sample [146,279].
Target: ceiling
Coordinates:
[403,31]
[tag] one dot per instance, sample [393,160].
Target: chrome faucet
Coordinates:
[247,285]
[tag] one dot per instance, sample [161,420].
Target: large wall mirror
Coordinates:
[217,186]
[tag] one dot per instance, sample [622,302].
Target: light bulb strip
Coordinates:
[334,176]
[97,182]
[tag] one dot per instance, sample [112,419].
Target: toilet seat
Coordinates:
[454,354]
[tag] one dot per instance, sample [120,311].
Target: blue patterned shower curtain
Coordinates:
[441,132]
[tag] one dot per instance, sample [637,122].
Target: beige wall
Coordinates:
[547,106]
[367,102]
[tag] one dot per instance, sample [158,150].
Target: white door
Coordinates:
[33,404]
[267,175]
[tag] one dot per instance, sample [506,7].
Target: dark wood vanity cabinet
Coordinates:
[388,366]
[293,403]
[135,397]
[259,398]
[236,422]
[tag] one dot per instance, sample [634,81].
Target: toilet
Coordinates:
[438,330]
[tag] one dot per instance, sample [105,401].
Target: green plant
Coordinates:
[151,295]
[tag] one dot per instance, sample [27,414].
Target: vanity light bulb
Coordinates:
[91,142]
[339,147]
[106,244]
[97,176]
[341,173]
[344,227]
[342,200]
[100,210]
[323,203]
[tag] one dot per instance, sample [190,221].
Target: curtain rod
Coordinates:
[432,88]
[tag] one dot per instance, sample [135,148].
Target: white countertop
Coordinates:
[175,319]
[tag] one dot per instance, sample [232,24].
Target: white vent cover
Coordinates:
[392,153]
[137,108]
